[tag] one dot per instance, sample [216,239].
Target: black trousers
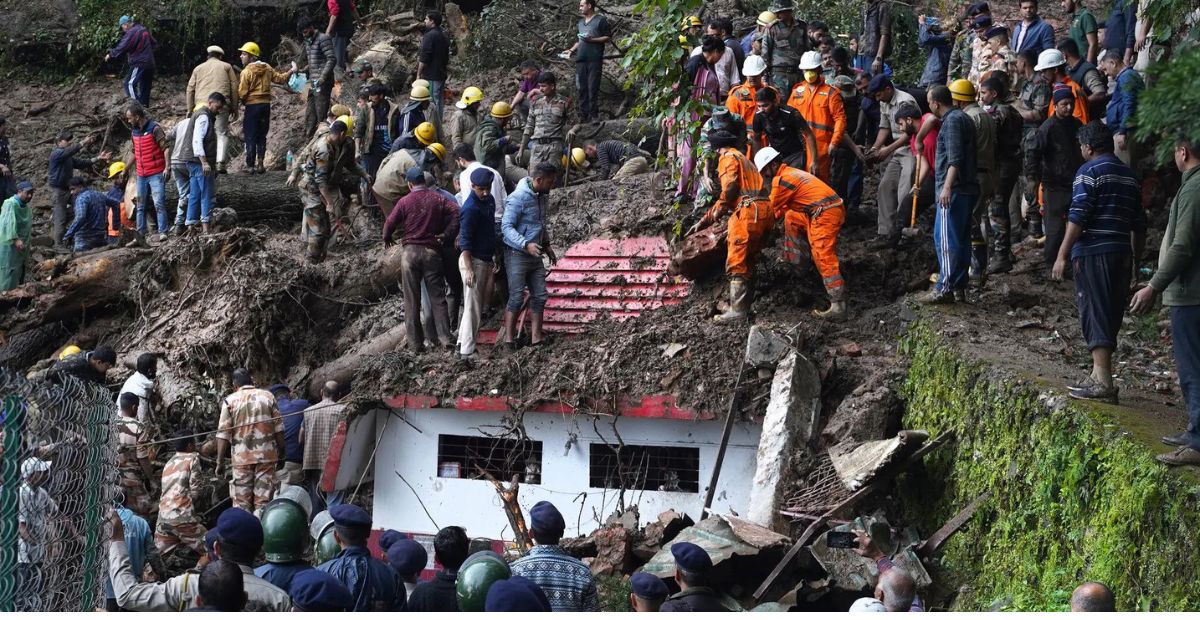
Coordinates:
[587,82]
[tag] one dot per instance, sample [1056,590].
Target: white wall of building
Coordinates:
[409,450]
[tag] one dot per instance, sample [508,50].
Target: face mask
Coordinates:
[811,76]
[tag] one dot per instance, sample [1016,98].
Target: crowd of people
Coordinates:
[1009,135]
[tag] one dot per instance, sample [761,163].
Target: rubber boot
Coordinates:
[1035,226]
[835,312]
[739,302]
[979,264]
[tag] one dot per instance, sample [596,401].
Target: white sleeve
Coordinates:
[464,187]
[198,135]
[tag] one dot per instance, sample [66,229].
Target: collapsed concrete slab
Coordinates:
[791,420]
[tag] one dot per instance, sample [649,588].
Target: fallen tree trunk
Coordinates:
[343,368]
[255,197]
[65,288]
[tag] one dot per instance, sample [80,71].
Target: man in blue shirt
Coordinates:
[1119,28]
[1122,106]
[373,585]
[937,51]
[139,540]
[1032,32]
[89,229]
[293,468]
[1105,209]
[957,190]
[63,163]
[477,240]
[527,240]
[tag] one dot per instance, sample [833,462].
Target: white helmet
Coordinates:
[1050,59]
[867,605]
[810,61]
[754,65]
[764,156]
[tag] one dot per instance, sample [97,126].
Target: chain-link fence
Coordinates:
[57,482]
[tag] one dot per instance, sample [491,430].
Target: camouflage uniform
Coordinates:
[546,130]
[249,422]
[133,484]
[325,167]
[960,56]
[177,522]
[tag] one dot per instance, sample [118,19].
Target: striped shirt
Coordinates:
[566,581]
[1106,202]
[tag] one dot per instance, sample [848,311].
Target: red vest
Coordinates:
[151,160]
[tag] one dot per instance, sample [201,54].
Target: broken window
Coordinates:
[464,456]
[646,468]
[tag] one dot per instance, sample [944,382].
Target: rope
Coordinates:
[315,407]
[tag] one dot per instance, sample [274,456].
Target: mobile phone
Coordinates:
[841,540]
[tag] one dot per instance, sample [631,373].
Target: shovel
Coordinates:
[912,230]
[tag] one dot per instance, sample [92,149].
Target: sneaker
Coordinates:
[936,297]
[960,296]
[1182,455]
[1176,440]
[178,230]
[1082,383]
[1095,391]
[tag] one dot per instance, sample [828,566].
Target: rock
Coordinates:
[871,412]
[660,532]
[791,420]
[851,349]
[764,348]
[614,551]
[582,547]
[628,519]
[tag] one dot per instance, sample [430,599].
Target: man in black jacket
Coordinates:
[433,62]
[450,548]
[88,366]
[692,566]
[1051,159]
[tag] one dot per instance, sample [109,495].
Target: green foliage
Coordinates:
[653,58]
[98,19]
[614,592]
[1170,106]
[1073,499]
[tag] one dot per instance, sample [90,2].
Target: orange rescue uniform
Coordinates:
[811,209]
[821,105]
[741,101]
[751,218]
[1080,110]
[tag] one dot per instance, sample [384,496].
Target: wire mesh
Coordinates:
[57,484]
[822,490]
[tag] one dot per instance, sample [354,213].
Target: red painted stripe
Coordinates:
[333,461]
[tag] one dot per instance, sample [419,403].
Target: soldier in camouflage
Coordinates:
[177,520]
[331,159]
[546,130]
[133,457]
[250,426]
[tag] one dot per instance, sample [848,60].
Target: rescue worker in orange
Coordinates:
[809,208]
[821,105]
[741,97]
[750,219]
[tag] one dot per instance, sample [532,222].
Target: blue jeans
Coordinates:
[1185,340]
[201,194]
[525,271]
[855,190]
[952,241]
[341,43]
[256,122]
[152,187]
[437,106]
[183,185]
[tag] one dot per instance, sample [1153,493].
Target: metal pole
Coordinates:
[716,473]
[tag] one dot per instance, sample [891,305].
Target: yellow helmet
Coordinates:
[578,159]
[690,21]
[438,150]
[68,351]
[470,95]
[419,93]
[502,109]
[251,48]
[116,168]
[962,90]
[339,109]
[421,82]
[684,43]
[346,120]
[766,18]
[425,133]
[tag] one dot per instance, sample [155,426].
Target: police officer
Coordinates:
[647,592]
[373,585]
[285,529]
[692,566]
[516,594]
[238,539]
[312,590]
[408,558]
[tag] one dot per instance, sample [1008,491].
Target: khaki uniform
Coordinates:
[177,522]
[389,184]
[133,483]
[546,130]
[179,593]
[463,127]
[249,422]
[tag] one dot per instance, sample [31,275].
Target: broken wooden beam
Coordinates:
[934,543]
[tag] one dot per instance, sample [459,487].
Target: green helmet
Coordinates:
[284,523]
[327,546]
[476,575]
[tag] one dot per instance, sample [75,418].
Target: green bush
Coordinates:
[1171,105]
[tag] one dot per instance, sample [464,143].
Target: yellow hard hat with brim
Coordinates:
[251,48]
[116,168]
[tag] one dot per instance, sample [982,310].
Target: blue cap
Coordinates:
[544,518]
[982,21]
[690,557]
[514,594]
[648,586]
[209,538]
[349,515]
[535,588]
[482,177]
[996,31]
[389,538]
[414,175]
[407,556]
[238,527]
[1061,93]
[279,387]
[314,590]
[879,83]
[125,19]
[24,186]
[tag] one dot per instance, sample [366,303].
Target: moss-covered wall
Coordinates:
[1074,497]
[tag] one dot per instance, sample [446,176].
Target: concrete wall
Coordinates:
[410,450]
